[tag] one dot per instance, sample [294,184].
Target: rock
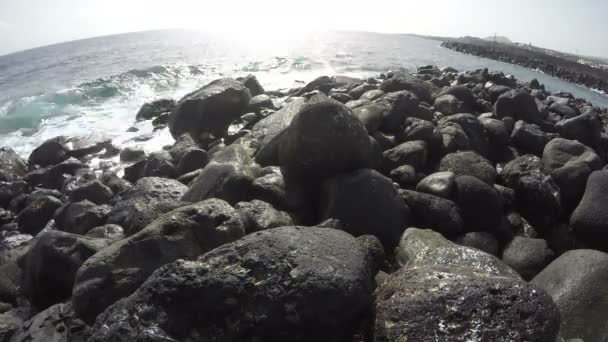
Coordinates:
[80,217]
[590,218]
[537,196]
[94,191]
[529,138]
[184,233]
[563,110]
[254,86]
[132,154]
[480,204]
[110,232]
[140,200]
[425,248]
[270,188]
[404,81]
[34,217]
[192,160]
[404,175]
[454,138]
[482,241]
[474,132]
[160,165]
[372,95]
[10,190]
[259,102]
[55,324]
[439,184]
[135,172]
[413,153]
[570,163]
[182,145]
[269,131]
[577,283]
[459,304]
[50,265]
[12,321]
[469,163]
[371,115]
[11,165]
[324,140]
[228,176]
[496,131]
[518,105]
[462,94]
[367,203]
[153,109]
[417,129]
[449,105]
[527,256]
[257,216]
[54,177]
[497,90]
[357,92]
[290,283]
[50,152]
[432,212]
[210,109]
[397,106]
[586,128]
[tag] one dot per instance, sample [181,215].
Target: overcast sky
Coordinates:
[569,25]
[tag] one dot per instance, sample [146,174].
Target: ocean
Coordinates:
[97,85]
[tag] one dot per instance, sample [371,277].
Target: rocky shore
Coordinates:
[433,206]
[568,70]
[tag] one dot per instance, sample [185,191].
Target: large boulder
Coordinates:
[577,283]
[35,216]
[139,201]
[94,191]
[324,140]
[459,304]
[397,106]
[184,233]
[590,218]
[210,109]
[55,176]
[228,176]
[570,163]
[474,133]
[50,152]
[11,165]
[529,138]
[10,190]
[537,196]
[586,128]
[413,153]
[367,203]
[518,105]
[449,105]
[289,283]
[527,256]
[55,324]
[151,110]
[50,265]
[432,212]
[422,248]
[371,115]
[462,94]
[80,217]
[469,163]
[405,81]
[439,184]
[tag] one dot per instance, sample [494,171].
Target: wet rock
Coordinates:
[432,212]
[80,217]
[132,154]
[10,190]
[397,105]
[469,163]
[439,184]
[449,105]
[110,232]
[404,175]
[254,86]
[518,105]
[537,196]
[55,324]
[34,217]
[529,138]
[184,233]
[480,204]
[357,92]
[570,163]
[422,248]
[577,283]
[259,102]
[590,218]
[270,188]
[290,283]
[135,172]
[586,128]
[257,216]
[482,241]
[153,109]
[192,160]
[11,165]
[54,177]
[210,109]
[50,265]
[454,304]
[413,153]
[324,140]
[50,152]
[367,203]
[12,321]
[372,95]
[140,200]
[94,191]
[527,256]
[160,165]
[181,146]
[371,115]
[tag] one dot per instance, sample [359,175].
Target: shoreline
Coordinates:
[341,210]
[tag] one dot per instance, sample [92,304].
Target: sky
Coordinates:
[572,26]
